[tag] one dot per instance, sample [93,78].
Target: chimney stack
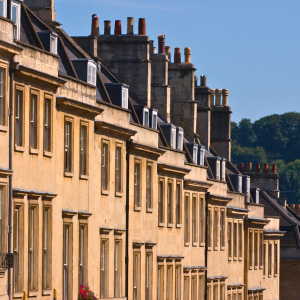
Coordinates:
[249,167]
[274,168]
[298,209]
[266,168]
[130,25]
[142,26]
[118,27]
[177,56]
[225,97]
[154,49]
[218,93]
[212,97]
[203,80]
[196,80]
[241,167]
[95,25]
[187,55]
[161,44]
[107,27]
[257,168]
[168,52]
[293,207]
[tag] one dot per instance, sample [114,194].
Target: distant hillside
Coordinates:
[272,139]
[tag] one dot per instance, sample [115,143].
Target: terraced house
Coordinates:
[115,171]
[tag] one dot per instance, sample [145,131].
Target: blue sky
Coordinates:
[251,47]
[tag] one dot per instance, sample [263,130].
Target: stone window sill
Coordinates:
[149,210]
[47,292]
[161,224]
[186,244]
[222,248]
[178,225]
[68,174]
[137,208]
[18,295]
[3,128]
[170,225]
[83,177]
[19,148]
[195,244]
[209,248]
[33,151]
[216,248]
[202,244]
[32,293]
[119,194]
[104,192]
[240,258]
[48,154]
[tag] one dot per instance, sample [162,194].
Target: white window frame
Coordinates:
[4,8]
[180,140]
[124,96]
[217,169]
[240,179]
[201,162]
[91,73]
[173,138]
[195,154]
[223,171]
[53,43]
[146,120]
[18,18]
[154,119]
[2,95]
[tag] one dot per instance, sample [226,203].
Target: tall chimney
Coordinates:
[241,167]
[118,27]
[257,168]
[274,168]
[249,167]
[187,54]
[95,25]
[161,44]
[218,93]
[203,80]
[177,56]
[154,49]
[168,52]
[107,27]
[130,25]
[212,97]
[266,168]
[142,26]
[225,97]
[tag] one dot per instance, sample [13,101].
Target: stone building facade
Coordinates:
[105,178]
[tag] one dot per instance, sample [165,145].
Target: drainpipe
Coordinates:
[12,68]
[127,218]
[207,195]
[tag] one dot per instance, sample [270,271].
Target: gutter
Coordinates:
[207,196]
[12,68]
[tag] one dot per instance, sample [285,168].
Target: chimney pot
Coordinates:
[187,54]
[168,52]
[249,167]
[298,209]
[142,26]
[293,207]
[107,27]
[154,49]
[266,168]
[203,80]
[218,93]
[130,25]
[118,27]
[274,168]
[257,168]
[177,56]
[225,97]
[241,167]
[95,25]
[161,44]
[212,97]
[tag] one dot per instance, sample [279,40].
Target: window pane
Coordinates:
[103,271]
[149,186]
[149,275]
[2,8]
[250,249]
[170,203]
[216,229]
[137,184]
[240,240]
[229,225]
[264,258]
[261,249]
[83,150]
[202,220]
[118,264]
[118,170]
[161,202]
[194,221]
[66,263]
[178,204]
[177,283]
[105,166]
[209,228]
[19,118]
[186,220]
[235,239]
[2,89]
[33,122]
[255,249]
[17,254]
[275,259]
[81,255]
[47,125]
[186,288]
[68,147]
[222,225]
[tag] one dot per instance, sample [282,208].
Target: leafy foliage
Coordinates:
[85,293]
[274,139]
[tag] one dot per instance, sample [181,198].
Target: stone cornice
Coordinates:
[84,215]
[175,170]
[74,106]
[196,185]
[145,150]
[219,200]
[256,221]
[237,211]
[5,172]
[9,49]
[68,213]
[114,130]
[274,233]
[39,77]
[104,230]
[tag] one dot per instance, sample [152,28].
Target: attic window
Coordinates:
[3,8]
[53,44]
[153,118]
[223,168]
[179,138]
[118,93]
[91,73]
[201,155]
[49,40]
[193,149]
[173,138]
[146,117]
[16,17]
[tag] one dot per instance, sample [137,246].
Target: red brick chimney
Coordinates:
[177,56]
[107,27]
[298,209]
[266,168]
[274,168]
[95,25]
[142,26]
[168,51]
[241,167]
[249,167]
[118,27]
[293,207]
[161,44]
[130,25]
[257,168]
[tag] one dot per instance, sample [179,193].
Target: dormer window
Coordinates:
[143,114]
[193,149]
[86,70]
[16,17]
[169,131]
[49,40]
[179,138]
[236,180]
[246,187]
[215,165]
[201,154]
[223,169]
[255,195]
[118,93]
[146,117]
[153,118]
[3,8]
